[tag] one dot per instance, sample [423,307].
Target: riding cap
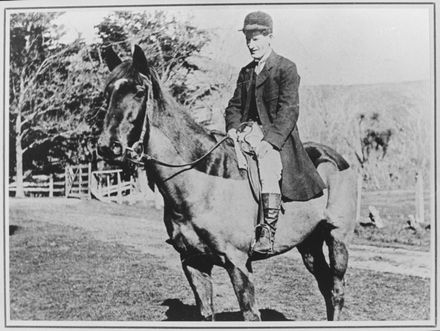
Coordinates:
[257,21]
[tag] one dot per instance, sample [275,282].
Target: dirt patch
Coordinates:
[141,227]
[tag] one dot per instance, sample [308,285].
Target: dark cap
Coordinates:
[257,21]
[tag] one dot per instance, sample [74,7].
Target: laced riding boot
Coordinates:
[266,232]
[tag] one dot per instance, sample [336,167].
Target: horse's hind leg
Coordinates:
[330,278]
[314,260]
[198,272]
[244,290]
[338,258]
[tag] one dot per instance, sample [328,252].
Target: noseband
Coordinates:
[138,147]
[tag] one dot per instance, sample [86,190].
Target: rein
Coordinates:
[138,148]
[147,157]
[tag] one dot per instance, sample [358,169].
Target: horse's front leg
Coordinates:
[244,290]
[198,272]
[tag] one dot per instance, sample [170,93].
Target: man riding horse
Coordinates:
[267,94]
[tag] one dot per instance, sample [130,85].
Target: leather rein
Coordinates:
[138,149]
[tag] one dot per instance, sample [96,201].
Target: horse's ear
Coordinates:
[111,58]
[140,60]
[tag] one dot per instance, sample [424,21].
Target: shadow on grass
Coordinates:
[178,311]
[13,229]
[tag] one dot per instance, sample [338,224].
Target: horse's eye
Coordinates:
[139,92]
[131,118]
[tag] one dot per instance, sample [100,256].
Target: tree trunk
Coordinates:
[420,205]
[19,193]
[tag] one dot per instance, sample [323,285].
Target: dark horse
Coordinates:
[209,209]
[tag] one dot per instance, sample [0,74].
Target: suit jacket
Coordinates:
[276,97]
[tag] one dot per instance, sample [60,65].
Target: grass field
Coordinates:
[99,270]
[62,273]
[394,208]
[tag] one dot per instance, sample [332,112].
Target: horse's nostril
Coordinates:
[116,148]
[138,148]
[110,152]
[102,151]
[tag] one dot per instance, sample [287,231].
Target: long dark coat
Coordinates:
[276,96]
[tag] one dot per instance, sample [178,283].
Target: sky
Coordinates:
[331,44]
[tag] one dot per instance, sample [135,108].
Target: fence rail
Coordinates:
[80,182]
[42,184]
[108,185]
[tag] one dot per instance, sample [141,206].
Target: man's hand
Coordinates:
[262,148]
[232,133]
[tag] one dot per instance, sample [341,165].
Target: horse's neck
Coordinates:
[172,182]
[178,140]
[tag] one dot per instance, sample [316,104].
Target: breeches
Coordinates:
[269,166]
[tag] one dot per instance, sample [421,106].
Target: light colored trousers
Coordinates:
[269,166]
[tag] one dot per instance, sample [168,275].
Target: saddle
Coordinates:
[248,135]
[245,157]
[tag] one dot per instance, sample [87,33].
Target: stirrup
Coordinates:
[258,229]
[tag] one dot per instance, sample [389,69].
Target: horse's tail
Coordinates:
[320,153]
[342,200]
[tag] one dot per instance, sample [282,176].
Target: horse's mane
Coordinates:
[174,121]
[124,70]
[179,126]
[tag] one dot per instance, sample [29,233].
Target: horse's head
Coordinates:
[128,92]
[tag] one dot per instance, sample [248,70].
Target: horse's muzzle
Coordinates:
[114,151]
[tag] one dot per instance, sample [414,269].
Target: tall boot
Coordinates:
[266,232]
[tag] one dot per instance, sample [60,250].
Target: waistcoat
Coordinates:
[253,111]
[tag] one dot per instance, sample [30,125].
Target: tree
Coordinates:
[168,42]
[42,109]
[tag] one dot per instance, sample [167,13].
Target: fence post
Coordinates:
[108,186]
[51,186]
[89,185]
[80,181]
[359,197]
[66,176]
[119,187]
[420,203]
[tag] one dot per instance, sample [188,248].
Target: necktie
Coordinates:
[259,67]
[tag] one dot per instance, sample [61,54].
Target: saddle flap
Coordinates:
[254,184]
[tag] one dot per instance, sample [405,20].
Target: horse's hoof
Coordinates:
[209,318]
[251,316]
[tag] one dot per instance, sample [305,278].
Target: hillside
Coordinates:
[358,117]
[389,125]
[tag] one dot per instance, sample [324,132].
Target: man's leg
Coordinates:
[270,168]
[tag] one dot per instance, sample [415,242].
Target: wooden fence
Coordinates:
[77,183]
[108,186]
[42,185]
[80,182]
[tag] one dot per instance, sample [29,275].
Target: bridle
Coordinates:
[137,149]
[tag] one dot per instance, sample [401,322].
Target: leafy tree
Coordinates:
[168,42]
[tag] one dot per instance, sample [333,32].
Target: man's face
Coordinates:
[258,43]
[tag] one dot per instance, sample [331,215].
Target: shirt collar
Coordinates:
[265,57]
